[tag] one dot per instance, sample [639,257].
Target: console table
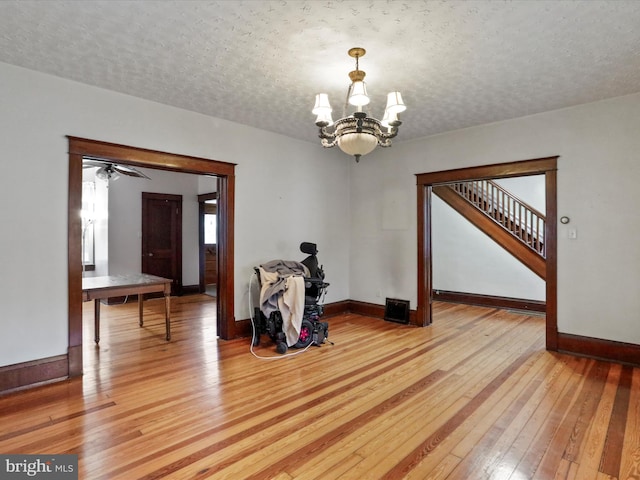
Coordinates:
[96,288]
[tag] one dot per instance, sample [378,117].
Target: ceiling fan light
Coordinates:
[394,103]
[358,96]
[322,104]
[107,174]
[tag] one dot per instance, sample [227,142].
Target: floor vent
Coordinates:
[397,310]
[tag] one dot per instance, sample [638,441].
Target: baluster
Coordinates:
[538,245]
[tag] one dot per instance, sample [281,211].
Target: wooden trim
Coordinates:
[74,262]
[489,301]
[142,157]
[243,328]
[423,315]
[367,309]
[201,252]
[425,182]
[35,372]
[79,148]
[203,197]
[521,168]
[600,349]
[190,289]
[225,257]
[75,358]
[336,308]
[551,253]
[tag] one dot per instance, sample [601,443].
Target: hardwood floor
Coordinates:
[473,396]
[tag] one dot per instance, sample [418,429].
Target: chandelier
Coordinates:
[358,134]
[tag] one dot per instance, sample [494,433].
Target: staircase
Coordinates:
[514,225]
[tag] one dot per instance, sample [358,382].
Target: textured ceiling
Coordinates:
[260,63]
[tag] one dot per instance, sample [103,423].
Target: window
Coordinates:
[210,222]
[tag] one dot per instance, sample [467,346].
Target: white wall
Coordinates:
[125,219]
[287,191]
[598,188]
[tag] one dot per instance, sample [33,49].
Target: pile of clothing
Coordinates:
[283,289]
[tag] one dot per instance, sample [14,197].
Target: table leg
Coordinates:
[140,300]
[96,320]
[167,314]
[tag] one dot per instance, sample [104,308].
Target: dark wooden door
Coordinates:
[162,237]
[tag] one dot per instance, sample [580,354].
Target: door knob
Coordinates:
[150,254]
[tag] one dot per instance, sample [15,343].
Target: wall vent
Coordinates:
[397,310]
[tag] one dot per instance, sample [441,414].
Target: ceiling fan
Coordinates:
[111,171]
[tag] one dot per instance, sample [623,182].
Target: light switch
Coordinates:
[572,233]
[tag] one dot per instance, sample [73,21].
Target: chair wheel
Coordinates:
[281,347]
[306,334]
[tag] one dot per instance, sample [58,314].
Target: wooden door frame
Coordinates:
[202,198]
[176,286]
[425,181]
[80,148]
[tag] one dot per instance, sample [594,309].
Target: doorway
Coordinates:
[425,182]
[208,242]
[80,148]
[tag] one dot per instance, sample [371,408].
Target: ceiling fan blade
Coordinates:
[92,163]
[130,171]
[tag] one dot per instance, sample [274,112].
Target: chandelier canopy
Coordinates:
[358,134]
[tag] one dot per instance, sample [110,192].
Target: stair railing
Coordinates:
[517,217]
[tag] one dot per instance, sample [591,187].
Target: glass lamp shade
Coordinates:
[106,174]
[357,144]
[358,96]
[322,105]
[394,103]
